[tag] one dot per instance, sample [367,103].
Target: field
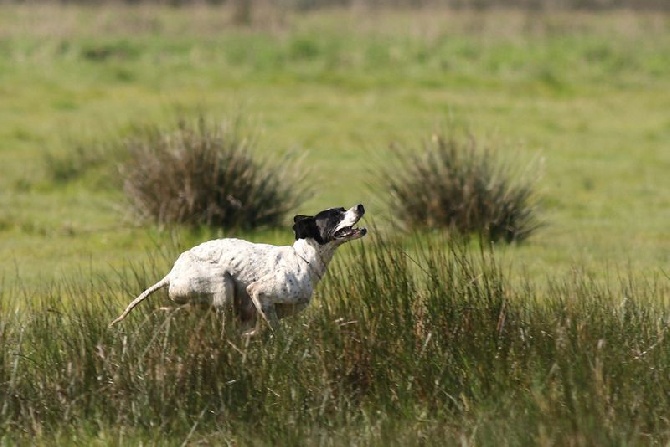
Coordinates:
[559,340]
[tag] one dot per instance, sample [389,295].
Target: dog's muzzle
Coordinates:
[352,232]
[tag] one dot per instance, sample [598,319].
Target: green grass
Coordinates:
[433,347]
[584,94]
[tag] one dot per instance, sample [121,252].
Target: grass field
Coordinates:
[583,97]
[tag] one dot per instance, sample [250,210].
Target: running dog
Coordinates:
[259,279]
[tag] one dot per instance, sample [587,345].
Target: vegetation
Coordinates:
[406,343]
[243,10]
[580,91]
[560,340]
[457,184]
[201,175]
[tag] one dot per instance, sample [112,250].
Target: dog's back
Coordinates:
[245,261]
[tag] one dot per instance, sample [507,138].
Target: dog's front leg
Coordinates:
[265,307]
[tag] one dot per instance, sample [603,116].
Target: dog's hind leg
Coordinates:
[144,295]
[223,300]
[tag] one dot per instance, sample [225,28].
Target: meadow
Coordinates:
[412,339]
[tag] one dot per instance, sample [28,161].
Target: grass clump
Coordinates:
[455,182]
[204,174]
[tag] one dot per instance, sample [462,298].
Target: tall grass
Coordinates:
[406,343]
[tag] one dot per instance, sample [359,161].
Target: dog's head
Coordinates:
[331,225]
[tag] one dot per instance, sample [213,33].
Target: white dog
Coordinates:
[273,281]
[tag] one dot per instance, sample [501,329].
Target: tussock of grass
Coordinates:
[203,174]
[457,183]
[405,340]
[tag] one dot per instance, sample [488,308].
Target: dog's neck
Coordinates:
[316,256]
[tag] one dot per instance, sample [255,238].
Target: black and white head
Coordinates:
[335,225]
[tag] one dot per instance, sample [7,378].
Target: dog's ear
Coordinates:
[305,227]
[300,217]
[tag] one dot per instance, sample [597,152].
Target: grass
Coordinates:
[453,183]
[336,86]
[581,357]
[413,342]
[207,174]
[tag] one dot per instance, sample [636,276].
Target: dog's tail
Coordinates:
[144,295]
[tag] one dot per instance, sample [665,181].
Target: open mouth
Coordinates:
[347,229]
[348,232]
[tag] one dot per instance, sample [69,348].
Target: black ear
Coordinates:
[305,227]
[301,217]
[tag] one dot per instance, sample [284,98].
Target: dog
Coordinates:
[259,279]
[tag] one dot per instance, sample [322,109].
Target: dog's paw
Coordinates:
[250,333]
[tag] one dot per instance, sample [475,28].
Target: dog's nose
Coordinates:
[360,209]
